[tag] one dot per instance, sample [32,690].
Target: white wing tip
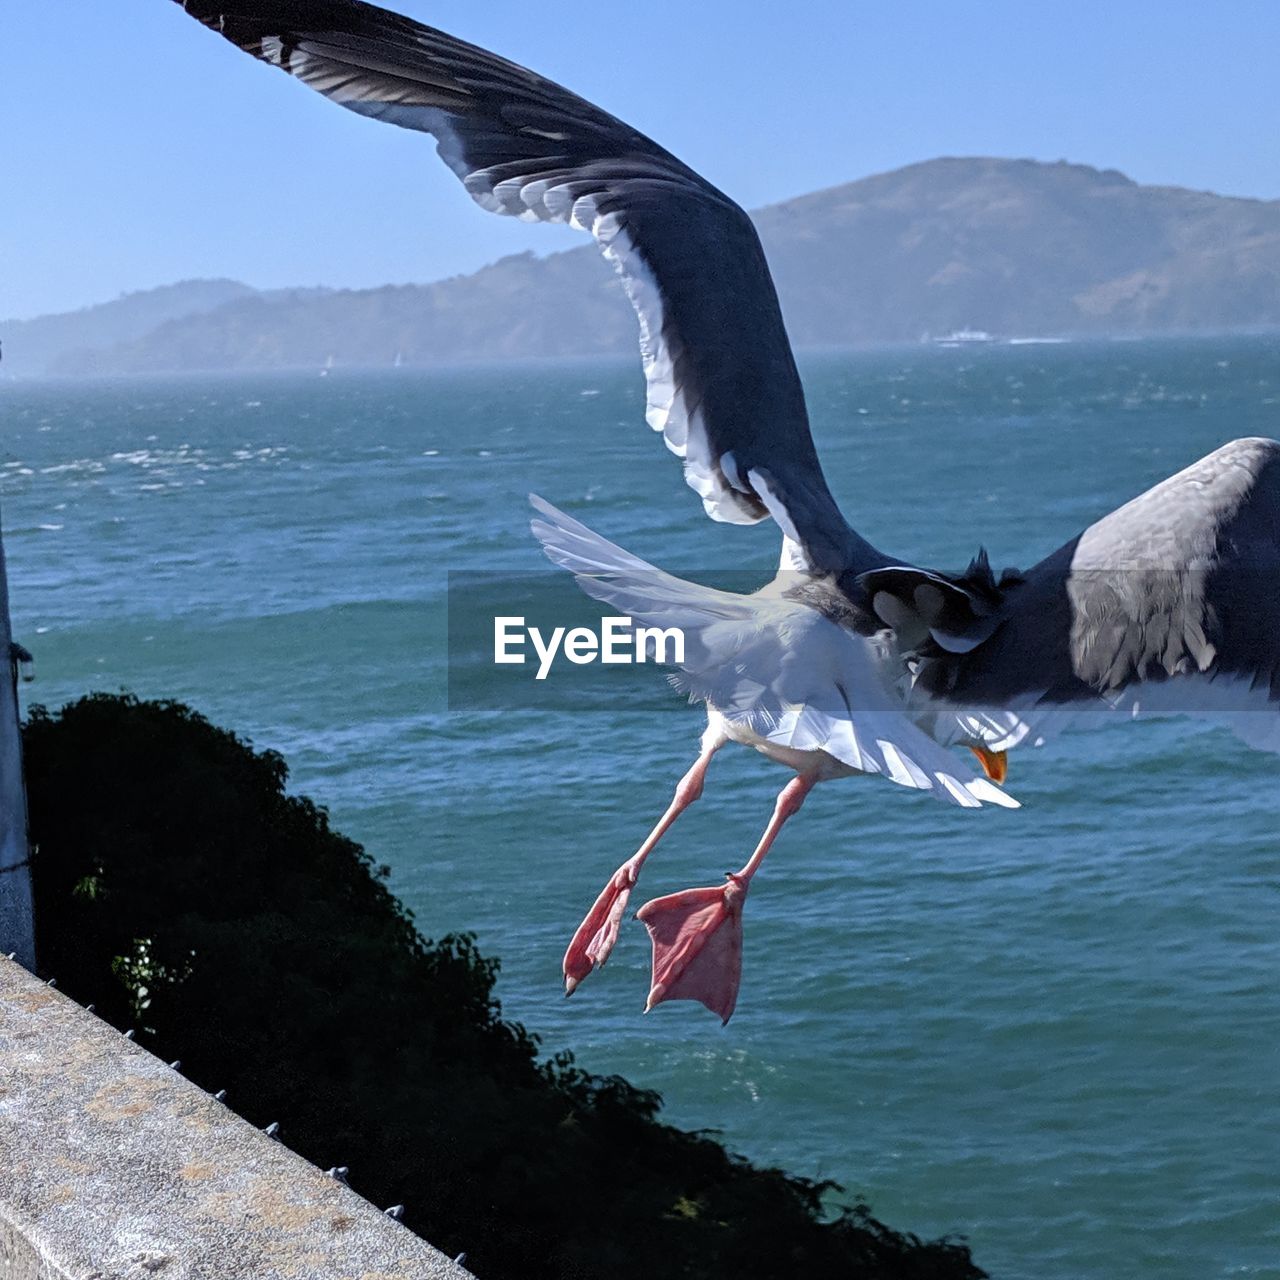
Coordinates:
[989,793]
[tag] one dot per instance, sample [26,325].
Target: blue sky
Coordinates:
[139,148]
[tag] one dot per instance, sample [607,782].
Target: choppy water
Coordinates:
[1057,1030]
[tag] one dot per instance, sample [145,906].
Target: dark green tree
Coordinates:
[185,893]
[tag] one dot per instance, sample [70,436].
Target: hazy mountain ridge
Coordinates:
[39,343]
[1016,247]
[1022,248]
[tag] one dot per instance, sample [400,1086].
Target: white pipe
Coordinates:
[17,921]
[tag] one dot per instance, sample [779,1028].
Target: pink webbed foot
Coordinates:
[590,946]
[697,945]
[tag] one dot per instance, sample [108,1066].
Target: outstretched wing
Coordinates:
[1170,605]
[722,382]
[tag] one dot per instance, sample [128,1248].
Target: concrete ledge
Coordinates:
[113,1167]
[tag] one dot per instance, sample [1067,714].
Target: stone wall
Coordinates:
[114,1167]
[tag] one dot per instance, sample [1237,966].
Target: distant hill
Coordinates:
[1016,247]
[1020,248]
[40,345]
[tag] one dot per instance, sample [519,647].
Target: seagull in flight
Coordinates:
[850,661]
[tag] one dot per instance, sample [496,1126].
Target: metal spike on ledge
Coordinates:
[53,982]
[176,1065]
[131,1034]
[396,1211]
[273,1130]
[220,1096]
[91,1008]
[461,1259]
[13,955]
[339,1173]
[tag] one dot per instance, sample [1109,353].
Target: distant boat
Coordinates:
[328,364]
[398,361]
[1036,342]
[964,338]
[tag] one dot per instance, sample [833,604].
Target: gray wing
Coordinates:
[722,383]
[1169,605]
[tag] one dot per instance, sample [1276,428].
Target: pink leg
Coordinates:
[697,934]
[591,944]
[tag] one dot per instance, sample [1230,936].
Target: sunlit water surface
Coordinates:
[1056,1031]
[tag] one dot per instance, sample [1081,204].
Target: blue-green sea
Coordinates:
[1056,1031]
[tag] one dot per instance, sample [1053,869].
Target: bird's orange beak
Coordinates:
[995,764]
